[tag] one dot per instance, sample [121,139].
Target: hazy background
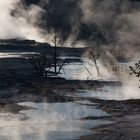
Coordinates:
[92,22]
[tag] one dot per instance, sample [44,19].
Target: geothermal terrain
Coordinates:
[65,69]
[79,103]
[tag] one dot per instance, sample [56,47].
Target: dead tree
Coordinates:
[94,58]
[38,62]
[57,65]
[55,51]
[135,70]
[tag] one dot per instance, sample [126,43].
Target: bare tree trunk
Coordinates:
[55,52]
[96,66]
[93,57]
[57,67]
[38,61]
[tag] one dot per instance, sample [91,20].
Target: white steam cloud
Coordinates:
[118,20]
[22,24]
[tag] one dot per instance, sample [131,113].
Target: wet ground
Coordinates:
[50,121]
[48,116]
[84,106]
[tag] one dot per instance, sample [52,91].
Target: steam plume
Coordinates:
[96,22]
[16,21]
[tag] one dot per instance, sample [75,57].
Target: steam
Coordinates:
[117,21]
[48,119]
[19,23]
[78,23]
[128,35]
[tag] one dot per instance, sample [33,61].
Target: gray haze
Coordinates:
[96,22]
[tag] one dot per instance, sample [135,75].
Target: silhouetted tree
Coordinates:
[38,62]
[94,58]
[55,39]
[57,65]
[135,70]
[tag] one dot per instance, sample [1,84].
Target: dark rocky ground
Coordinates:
[126,118]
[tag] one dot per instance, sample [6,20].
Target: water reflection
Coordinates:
[50,121]
[85,70]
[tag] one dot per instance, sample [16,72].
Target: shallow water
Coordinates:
[15,54]
[50,121]
[85,70]
[119,93]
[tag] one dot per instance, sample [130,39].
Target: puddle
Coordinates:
[51,121]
